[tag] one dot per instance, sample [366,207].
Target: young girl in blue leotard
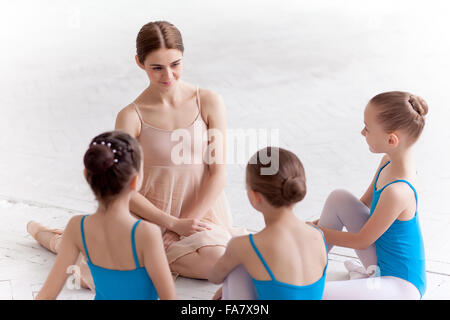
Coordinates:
[288,259]
[125,255]
[383,226]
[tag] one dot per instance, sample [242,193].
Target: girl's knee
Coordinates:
[342,198]
[340,194]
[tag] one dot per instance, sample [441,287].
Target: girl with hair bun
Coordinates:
[383,226]
[125,255]
[287,260]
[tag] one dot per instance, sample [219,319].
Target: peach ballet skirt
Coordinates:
[174,170]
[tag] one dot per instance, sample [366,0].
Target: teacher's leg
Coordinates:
[198,264]
[51,240]
[343,209]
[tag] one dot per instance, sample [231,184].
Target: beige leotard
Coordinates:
[174,186]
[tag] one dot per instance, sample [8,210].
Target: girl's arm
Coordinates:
[67,256]
[129,122]
[155,261]
[367,196]
[390,205]
[210,189]
[230,260]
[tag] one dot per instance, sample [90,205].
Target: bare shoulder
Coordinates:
[128,120]
[209,97]
[148,232]
[74,223]
[73,230]
[238,245]
[211,103]
[399,192]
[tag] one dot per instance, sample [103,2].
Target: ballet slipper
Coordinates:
[354,266]
[34,228]
[357,275]
[175,275]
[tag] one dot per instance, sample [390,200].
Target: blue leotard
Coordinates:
[400,250]
[276,290]
[121,284]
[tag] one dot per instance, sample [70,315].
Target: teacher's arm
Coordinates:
[213,112]
[128,121]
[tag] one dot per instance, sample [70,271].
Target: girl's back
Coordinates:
[111,281]
[109,242]
[297,257]
[288,259]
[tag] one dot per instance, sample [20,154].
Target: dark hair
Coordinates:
[111,161]
[287,186]
[398,110]
[156,35]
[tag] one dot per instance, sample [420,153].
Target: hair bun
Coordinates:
[418,104]
[293,189]
[98,159]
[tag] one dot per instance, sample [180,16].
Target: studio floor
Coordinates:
[303,71]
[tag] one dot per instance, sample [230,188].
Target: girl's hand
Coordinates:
[218,294]
[187,226]
[169,238]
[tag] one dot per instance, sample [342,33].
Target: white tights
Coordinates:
[238,285]
[341,209]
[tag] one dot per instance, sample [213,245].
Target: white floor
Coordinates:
[306,69]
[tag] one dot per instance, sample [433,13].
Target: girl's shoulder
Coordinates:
[73,229]
[147,232]
[75,222]
[239,244]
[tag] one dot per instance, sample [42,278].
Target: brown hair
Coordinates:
[287,186]
[111,161]
[398,110]
[156,35]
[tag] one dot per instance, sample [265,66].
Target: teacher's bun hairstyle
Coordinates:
[111,161]
[156,35]
[285,186]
